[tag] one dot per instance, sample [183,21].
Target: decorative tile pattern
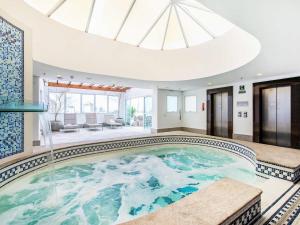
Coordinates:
[11,87]
[249,216]
[293,216]
[277,171]
[20,168]
[70,152]
[278,216]
[139,142]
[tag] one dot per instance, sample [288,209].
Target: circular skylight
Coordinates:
[152,24]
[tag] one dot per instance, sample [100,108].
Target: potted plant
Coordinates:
[56,106]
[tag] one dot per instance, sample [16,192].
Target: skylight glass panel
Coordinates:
[143,15]
[174,36]
[74,13]
[44,6]
[152,24]
[211,21]
[194,4]
[155,38]
[108,16]
[195,34]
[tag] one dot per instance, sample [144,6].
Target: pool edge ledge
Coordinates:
[16,168]
[210,206]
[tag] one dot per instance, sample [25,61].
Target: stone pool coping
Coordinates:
[210,207]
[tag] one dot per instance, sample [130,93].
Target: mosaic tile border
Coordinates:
[247,215]
[278,215]
[293,216]
[278,171]
[23,167]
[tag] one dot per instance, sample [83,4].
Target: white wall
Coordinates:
[38,90]
[243,126]
[154,109]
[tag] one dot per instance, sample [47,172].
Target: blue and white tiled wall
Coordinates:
[11,87]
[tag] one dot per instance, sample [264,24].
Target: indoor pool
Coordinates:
[110,188]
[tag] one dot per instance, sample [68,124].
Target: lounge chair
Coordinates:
[70,123]
[109,121]
[91,122]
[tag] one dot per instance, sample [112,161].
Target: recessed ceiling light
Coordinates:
[259,74]
[59,76]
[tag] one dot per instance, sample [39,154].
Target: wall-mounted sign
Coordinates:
[242,89]
[242,103]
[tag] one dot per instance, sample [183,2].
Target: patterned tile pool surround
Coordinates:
[27,165]
[11,87]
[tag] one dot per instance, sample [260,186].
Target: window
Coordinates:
[113,104]
[172,104]
[101,103]
[148,105]
[138,104]
[56,102]
[72,103]
[190,103]
[88,103]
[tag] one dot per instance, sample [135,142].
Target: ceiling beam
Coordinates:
[166,28]
[87,87]
[88,23]
[181,27]
[187,12]
[153,25]
[125,19]
[56,7]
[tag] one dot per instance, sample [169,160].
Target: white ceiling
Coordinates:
[58,45]
[274,23]
[155,24]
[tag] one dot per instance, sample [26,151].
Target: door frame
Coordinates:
[210,111]
[295,108]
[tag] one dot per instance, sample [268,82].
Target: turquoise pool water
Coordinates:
[116,187]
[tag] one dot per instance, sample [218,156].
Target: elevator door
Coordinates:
[220,113]
[276,116]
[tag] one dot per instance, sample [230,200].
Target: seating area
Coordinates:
[102,133]
[91,123]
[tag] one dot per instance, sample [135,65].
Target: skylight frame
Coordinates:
[175,6]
